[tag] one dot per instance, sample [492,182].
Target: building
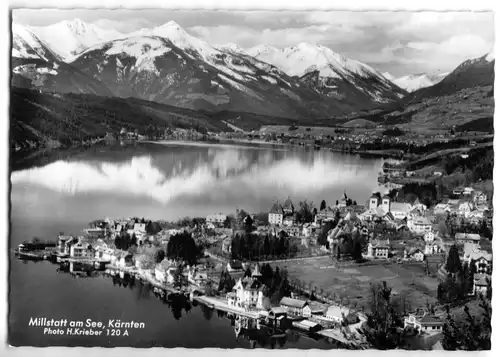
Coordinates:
[468,191]
[417,255]
[217,220]
[293,306]
[247,293]
[481,284]
[312,309]
[79,250]
[276,214]
[442,208]
[102,252]
[480,198]
[328,214]
[465,208]
[399,210]
[64,244]
[472,238]
[306,325]
[482,259]
[420,225]
[458,191]
[288,208]
[164,272]
[378,249]
[343,201]
[234,265]
[288,221]
[424,323]
[336,313]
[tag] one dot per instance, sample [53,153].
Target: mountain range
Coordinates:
[414,82]
[168,65]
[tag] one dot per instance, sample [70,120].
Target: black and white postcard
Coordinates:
[307,179]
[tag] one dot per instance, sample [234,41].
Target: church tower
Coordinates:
[373,202]
[386,203]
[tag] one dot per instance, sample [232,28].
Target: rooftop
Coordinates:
[286,301]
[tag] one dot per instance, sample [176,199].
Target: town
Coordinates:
[333,270]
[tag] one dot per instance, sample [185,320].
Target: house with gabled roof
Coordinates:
[378,249]
[424,322]
[480,198]
[416,254]
[482,259]
[276,214]
[481,284]
[462,238]
[293,306]
[420,225]
[247,293]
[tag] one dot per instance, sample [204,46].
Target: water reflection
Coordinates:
[187,171]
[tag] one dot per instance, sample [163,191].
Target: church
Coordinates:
[399,210]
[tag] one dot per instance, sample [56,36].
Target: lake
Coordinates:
[156,181]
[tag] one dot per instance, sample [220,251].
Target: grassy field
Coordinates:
[353,284]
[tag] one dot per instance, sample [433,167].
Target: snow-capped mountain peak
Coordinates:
[389,76]
[413,82]
[25,44]
[179,37]
[232,47]
[71,37]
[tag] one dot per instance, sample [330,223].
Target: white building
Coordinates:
[483,260]
[419,225]
[336,313]
[425,323]
[216,219]
[276,214]
[247,293]
[417,255]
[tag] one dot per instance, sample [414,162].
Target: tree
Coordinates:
[357,254]
[180,279]
[473,334]
[380,329]
[322,206]
[183,247]
[453,263]
[248,272]
[159,255]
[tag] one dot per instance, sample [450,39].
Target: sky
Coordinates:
[400,43]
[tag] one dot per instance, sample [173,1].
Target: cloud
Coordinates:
[399,42]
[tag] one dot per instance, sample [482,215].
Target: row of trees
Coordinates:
[252,246]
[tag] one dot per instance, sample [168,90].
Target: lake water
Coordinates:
[157,182]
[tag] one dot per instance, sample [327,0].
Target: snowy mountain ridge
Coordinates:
[414,82]
[68,38]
